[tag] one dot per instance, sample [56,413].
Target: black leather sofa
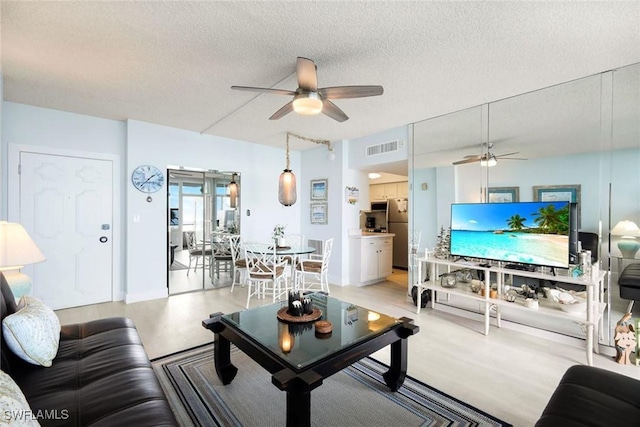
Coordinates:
[101,376]
[588,396]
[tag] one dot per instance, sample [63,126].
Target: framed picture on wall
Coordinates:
[504,194]
[319,213]
[319,189]
[556,193]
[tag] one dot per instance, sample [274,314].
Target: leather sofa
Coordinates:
[588,396]
[101,376]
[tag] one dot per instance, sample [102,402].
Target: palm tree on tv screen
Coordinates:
[551,220]
[516,222]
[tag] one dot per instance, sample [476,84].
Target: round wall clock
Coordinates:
[147,179]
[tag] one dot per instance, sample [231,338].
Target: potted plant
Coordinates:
[278,234]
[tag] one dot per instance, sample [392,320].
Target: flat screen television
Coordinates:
[534,233]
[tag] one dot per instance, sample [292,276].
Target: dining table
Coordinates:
[292,253]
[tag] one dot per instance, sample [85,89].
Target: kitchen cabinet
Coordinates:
[371,258]
[390,190]
[403,190]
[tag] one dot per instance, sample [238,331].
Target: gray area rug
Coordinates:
[356,396]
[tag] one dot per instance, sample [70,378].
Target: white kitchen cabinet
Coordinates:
[390,190]
[403,190]
[371,258]
[376,192]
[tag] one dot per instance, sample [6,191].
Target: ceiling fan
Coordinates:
[488,158]
[309,99]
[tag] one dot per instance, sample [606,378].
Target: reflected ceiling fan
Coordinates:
[309,99]
[487,158]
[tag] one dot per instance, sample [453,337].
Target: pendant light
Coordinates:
[233,191]
[287,195]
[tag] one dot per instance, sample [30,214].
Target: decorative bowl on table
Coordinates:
[570,303]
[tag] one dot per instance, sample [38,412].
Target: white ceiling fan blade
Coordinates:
[344,92]
[471,160]
[332,110]
[265,90]
[286,109]
[307,76]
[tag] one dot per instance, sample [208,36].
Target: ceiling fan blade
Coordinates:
[333,111]
[286,109]
[507,154]
[512,158]
[473,156]
[464,162]
[265,90]
[307,76]
[343,92]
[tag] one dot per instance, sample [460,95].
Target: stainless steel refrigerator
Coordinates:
[398,217]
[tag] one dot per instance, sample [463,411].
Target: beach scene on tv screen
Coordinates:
[528,233]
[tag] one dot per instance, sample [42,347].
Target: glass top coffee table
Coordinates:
[298,357]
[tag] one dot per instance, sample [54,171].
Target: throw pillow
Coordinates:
[33,332]
[15,408]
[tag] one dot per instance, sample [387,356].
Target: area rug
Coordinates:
[177,265]
[356,396]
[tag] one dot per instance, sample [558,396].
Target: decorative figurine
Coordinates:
[625,339]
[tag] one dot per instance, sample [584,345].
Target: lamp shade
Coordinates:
[233,192]
[17,249]
[626,228]
[287,195]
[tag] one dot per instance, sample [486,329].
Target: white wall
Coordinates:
[259,166]
[357,148]
[135,143]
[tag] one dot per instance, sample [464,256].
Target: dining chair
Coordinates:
[196,252]
[265,272]
[221,255]
[315,268]
[239,263]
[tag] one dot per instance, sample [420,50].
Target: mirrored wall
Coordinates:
[583,135]
[202,208]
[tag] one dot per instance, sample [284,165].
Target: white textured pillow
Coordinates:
[33,332]
[15,408]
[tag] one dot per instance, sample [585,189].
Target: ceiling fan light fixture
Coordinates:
[489,162]
[307,103]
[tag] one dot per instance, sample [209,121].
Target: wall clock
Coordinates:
[147,179]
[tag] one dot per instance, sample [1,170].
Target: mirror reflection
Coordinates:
[203,214]
[580,138]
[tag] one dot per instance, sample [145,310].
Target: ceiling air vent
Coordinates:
[385,147]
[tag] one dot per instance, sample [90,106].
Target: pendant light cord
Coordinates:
[304,138]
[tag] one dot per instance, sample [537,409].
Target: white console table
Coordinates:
[594,285]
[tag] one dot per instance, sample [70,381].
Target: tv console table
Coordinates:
[594,285]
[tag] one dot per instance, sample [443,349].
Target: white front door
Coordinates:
[66,206]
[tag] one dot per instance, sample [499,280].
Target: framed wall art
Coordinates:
[556,193]
[319,189]
[319,213]
[503,194]
[351,195]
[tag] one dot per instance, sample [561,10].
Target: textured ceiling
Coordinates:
[172,63]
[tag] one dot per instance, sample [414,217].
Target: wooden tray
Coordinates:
[284,316]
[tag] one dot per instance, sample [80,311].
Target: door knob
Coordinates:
[103,239]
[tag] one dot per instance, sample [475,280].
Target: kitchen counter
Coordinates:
[372,234]
[371,256]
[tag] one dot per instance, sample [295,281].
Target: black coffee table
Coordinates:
[298,358]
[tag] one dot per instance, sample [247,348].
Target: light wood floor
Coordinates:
[509,374]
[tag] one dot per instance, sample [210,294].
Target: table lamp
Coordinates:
[17,249]
[627,241]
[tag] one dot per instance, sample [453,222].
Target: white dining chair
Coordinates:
[197,252]
[239,263]
[265,272]
[315,269]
